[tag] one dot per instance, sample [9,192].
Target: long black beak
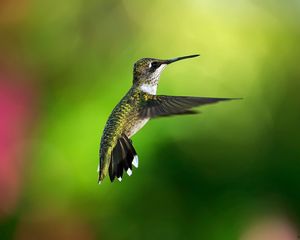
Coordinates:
[179,58]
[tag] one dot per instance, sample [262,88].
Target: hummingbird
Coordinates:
[135,109]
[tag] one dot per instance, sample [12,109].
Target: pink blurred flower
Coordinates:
[17,111]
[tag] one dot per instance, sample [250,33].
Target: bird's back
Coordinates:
[121,121]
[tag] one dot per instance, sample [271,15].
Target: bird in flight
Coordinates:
[135,109]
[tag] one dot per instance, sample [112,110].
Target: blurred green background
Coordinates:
[231,172]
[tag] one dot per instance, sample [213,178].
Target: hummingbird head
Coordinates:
[146,72]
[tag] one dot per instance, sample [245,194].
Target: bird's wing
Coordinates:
[161,105]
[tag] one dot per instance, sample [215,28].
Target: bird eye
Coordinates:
[154,65]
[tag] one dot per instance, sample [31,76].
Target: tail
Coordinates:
[123,157]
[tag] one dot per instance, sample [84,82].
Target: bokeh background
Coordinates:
[232,172]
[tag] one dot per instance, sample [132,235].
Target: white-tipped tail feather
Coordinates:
[135,161]
[129,172]
[123,157]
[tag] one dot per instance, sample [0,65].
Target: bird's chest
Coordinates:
[136,126]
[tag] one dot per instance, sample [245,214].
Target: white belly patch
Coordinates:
[138,126]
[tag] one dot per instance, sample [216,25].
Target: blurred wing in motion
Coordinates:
[161,105]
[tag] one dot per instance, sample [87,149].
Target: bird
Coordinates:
[140,104]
